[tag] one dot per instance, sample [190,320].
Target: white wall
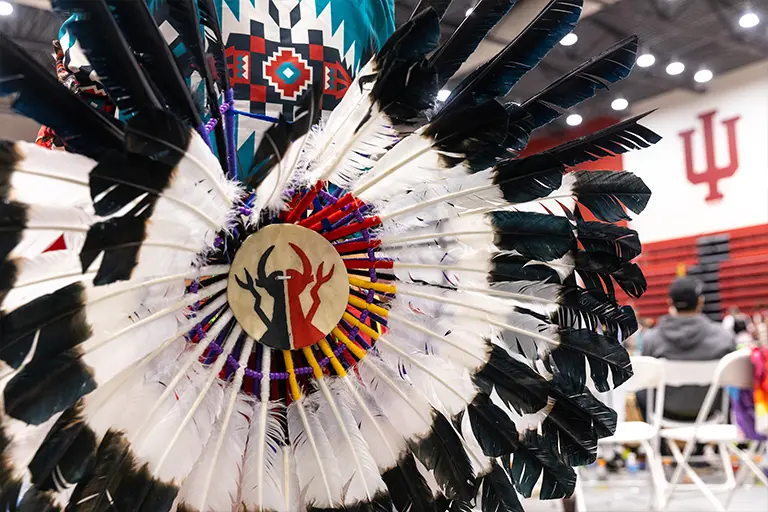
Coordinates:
[678,207]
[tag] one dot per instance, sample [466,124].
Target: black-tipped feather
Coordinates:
[607,193]
[604,354]
[407,487]
[278,138]
[210,20]
[582,309]
[599,270]
[109,55]
[183,16]
[439,6]
[619,241]
[493,429]
[497,492]
[496,77]
[532,459]
[463,42]
[517,384]
[442,452]
[10,487]
[534,235]
[41,97]
[611,66]
[68,450]
[151,50]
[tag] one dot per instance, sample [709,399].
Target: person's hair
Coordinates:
[739,325]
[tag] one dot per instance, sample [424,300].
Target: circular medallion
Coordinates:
[288,286]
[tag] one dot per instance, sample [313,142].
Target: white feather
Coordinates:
[264,461]
[319,479]
[356,465]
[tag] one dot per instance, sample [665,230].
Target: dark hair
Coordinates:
[739,325]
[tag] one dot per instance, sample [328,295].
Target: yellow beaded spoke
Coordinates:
[373,308]
[295,392]
[328,352]
[310,357]
[368,285]
[357,351]
[360,325]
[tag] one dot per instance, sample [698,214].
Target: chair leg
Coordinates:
[683,462]
[743,472]
[656,470]
[578,494]
[750,463]
[725,459]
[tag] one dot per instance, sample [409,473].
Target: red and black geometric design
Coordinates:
[271,75]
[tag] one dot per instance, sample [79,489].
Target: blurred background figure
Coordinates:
[685,334]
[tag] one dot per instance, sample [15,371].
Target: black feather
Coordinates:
[493,429]
[410,42]
[109,55]
[498,493]
[407,487]
[532,459]
[210,20]
[41,97]
[603,353]
[516,383]
[534,235]
[618,241]
[48,386]
[182,14]
[152,52]
[35,500]
[496,77]
[463,42]
[69,449]
[472,129]
[442,451]
[611,66]
[379,503]
[607,193]
[119,482]
[10,156]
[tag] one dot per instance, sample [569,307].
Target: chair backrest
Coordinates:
[648,372]
[690,373]
[733,370]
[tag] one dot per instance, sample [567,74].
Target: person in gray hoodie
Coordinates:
[685,334]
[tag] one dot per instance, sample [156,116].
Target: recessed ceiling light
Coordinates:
[619,104]
[646,60]
[6,8]
[573,120]
[443,94]
[703,76]
[569,39]
[749,20]
[675,68]
[469,11]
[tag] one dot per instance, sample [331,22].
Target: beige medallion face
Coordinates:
[288,286]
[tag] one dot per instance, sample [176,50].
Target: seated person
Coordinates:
[685,334]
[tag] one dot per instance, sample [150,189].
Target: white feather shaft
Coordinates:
[266,365]
[237,381]
[315,451]
[191,359]
[213,374]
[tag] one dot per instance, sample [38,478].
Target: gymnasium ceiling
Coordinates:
[699,33]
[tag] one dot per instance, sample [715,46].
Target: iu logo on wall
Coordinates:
[712,173]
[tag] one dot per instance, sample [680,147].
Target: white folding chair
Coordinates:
[733,370]
[648,373]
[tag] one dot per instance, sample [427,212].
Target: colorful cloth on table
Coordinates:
[275,50]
